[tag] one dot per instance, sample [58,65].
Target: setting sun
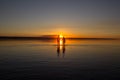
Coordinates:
[61,36]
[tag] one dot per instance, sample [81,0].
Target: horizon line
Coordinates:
[49,37]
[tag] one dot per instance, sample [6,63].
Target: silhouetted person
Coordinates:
[58,40]
[63,41]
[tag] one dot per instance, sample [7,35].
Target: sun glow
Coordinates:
[61,42]
[61,36]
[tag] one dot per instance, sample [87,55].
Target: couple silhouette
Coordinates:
[61,46]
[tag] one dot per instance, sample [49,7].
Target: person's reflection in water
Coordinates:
[58,50]
[60,46]
[63,49]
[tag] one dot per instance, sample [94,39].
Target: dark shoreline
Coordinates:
[50,38]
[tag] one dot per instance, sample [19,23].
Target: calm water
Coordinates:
[77,60]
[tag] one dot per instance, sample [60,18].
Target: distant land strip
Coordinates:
[50,38]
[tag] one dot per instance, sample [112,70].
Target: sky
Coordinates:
[83,18]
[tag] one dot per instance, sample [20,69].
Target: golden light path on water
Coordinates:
[61,42]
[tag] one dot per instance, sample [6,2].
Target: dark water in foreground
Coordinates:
[77,60]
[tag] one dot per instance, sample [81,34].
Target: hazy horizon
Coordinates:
[56,36]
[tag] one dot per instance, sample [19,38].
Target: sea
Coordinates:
[46,60]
